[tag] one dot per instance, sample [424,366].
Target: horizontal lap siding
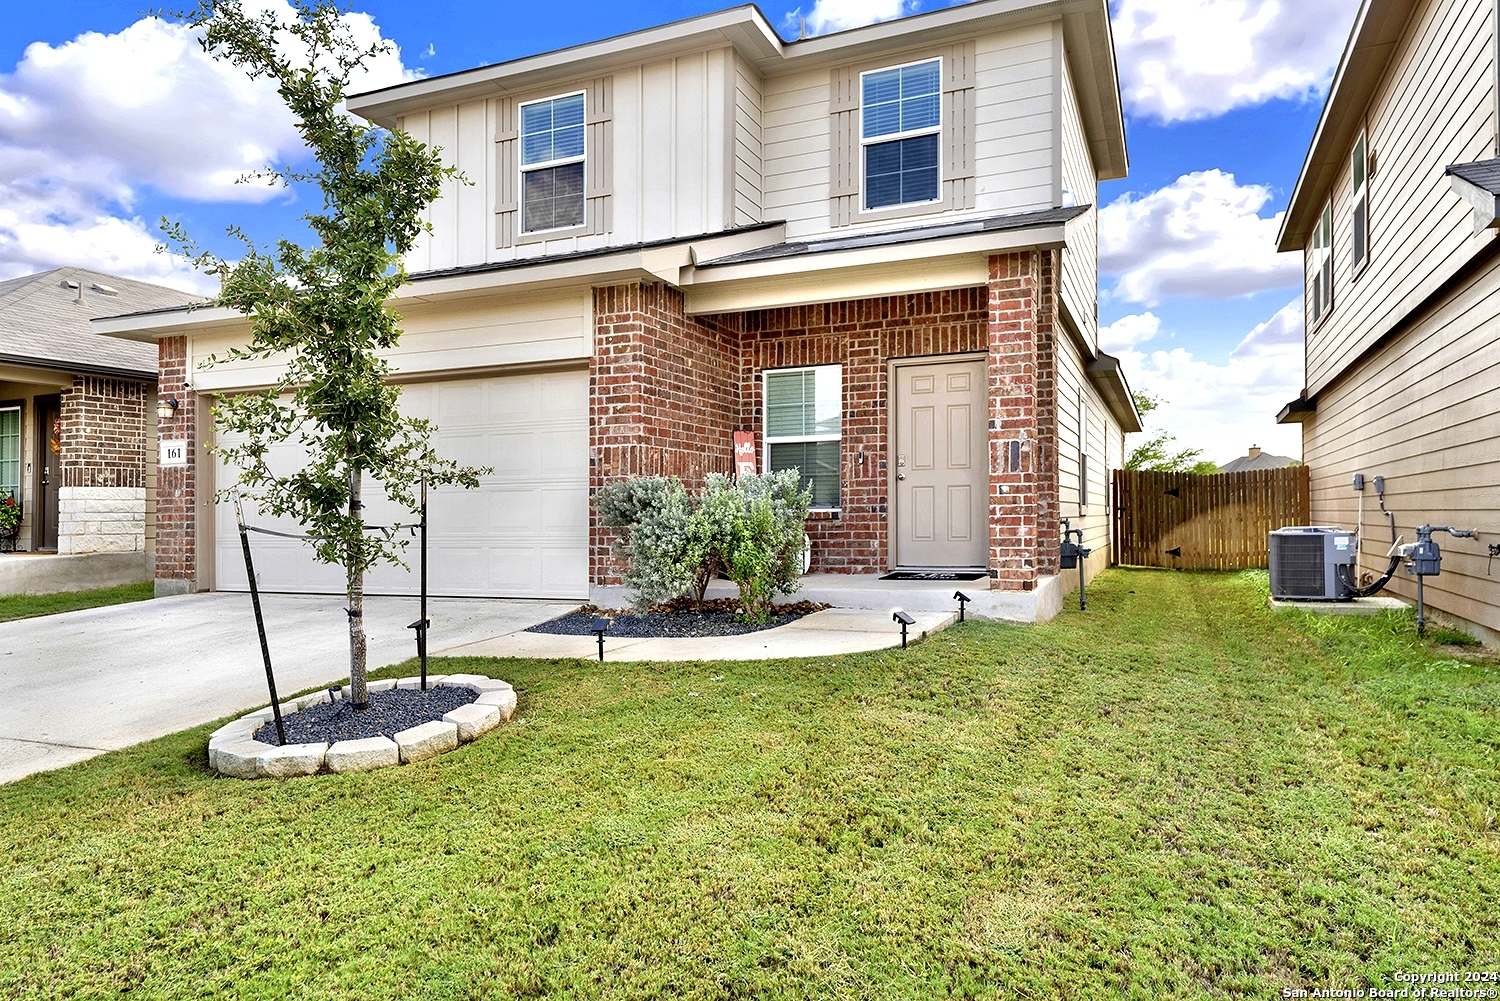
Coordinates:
[1436,106]
[1095,432]
[1014,147]
[1080,265]
[1423,412]
[748,167]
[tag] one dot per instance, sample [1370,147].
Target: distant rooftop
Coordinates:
[45,321]
[1256,459]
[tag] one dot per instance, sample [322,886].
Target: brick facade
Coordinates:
[104,433]
[663,396]
[862,336]
[176,486]
[667,391]
[1024,509]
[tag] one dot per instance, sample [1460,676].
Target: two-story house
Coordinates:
[874,250]
[1394,213]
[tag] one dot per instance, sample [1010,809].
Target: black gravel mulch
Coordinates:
[719,617]
[389,713]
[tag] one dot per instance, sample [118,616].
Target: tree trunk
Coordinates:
[359,694]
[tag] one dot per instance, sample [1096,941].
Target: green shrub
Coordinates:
[674,543]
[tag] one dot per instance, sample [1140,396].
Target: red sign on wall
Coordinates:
[744,453]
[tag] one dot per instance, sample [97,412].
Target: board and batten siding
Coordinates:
[682,158]
[1080,264]
[1423,412]
[1102,440]
[1012,144]
[1435,106]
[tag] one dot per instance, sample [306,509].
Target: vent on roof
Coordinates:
[68,283]
[105,289]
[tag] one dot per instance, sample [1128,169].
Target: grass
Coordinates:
[1175,794]
[27,606]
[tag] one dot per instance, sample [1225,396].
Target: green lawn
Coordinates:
[1175,794]
[26,606]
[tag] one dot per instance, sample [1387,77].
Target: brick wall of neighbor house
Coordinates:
[102,497]
[663,396]
[176,486]
[862,336]
[1024,510]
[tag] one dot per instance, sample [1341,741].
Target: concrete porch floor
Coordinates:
[868,591]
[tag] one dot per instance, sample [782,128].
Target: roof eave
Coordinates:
[1109,378]
[1377,29]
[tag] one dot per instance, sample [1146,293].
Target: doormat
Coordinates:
[936,575]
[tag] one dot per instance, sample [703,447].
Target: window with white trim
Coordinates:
[10,452]
[804,427]
[1320,266]
[901,118]
[1360,242]
[552,157]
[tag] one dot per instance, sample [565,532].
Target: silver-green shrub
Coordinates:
[674,543]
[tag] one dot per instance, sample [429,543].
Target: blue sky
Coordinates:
[109,121]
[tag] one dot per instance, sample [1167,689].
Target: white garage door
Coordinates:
[523,533]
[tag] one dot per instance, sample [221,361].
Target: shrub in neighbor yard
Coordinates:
[675,543]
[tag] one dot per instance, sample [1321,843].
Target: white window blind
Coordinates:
[1320,264]
[804,425]
[900,124]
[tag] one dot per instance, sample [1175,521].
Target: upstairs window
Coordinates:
[1320,267]
[10,453]
[804,423]
[1360,243]
[901,118]
[552,157]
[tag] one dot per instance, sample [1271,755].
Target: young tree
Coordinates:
[1156,451]
[321,311]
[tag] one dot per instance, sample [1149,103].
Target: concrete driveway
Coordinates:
[81,683]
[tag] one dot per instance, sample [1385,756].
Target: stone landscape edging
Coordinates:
[233,752]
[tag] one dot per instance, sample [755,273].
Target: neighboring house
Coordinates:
[78,414]
[1256,459]
[876,250]
[1395,215]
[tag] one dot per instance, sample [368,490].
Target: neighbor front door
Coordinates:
[941,465]
[49,472]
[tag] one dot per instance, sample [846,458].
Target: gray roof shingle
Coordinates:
[1481,173]
[43,324]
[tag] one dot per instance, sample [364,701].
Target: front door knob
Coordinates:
[900,476]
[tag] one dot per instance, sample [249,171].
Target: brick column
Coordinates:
[101,500]
[176,486]
[664,397]
[1024,531]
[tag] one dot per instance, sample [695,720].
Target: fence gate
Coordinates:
[1190,522]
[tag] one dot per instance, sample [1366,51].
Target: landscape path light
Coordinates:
[906,620]
[962,599]
[601,626]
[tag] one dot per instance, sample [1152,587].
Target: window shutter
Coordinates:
[507,172]
[844,150]
[599,113]
[958,131]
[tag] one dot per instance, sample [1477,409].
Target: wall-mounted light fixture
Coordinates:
[167,409]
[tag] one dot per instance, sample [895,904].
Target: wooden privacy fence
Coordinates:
[1191,522]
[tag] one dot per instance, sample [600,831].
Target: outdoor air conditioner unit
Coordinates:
[1305,561]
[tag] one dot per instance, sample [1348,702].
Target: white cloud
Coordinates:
[1128,331]
[1202,235]
[91,126]
[1189,59]
[1224,409]
[836,15]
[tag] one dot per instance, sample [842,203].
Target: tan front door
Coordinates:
[941,467]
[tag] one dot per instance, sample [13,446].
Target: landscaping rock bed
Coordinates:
[404,724]
[677,619]
[389,713]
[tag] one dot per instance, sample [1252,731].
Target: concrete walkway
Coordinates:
[81,683]
[822,634]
